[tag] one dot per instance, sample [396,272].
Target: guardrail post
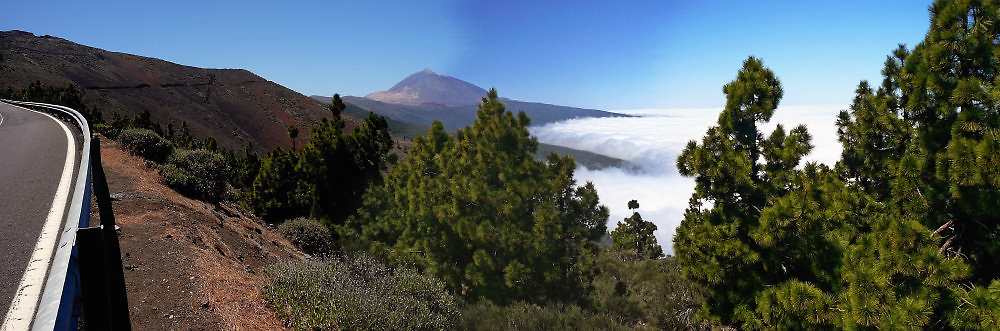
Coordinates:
[94,284]
[105,300]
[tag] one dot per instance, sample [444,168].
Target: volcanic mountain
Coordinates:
[233,105]
[429,88]
[426,96]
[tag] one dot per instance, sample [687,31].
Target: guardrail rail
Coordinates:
[85,276]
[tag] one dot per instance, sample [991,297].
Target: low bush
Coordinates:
[358,293]
[147,144]
[199,174]
[485,315]
[104,129]
[310,235]
[646,291]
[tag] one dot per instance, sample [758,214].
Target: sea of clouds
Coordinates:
[651,143]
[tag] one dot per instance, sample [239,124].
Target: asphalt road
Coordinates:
[33,152]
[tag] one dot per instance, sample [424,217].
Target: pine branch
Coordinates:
[943,226]
[410,251]
[946,244]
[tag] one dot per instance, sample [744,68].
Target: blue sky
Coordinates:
[595,54]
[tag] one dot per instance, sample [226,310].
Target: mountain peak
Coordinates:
[429,87]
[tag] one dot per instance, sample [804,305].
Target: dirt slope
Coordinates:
[189,265]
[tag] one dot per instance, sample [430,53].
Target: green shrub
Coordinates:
[146,143]
[358,293]
[105,129]
[485,315]
[308,234]
[199,174]
[646,291]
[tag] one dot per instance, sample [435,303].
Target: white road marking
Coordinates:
[22,308]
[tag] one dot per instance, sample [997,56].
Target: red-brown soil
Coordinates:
[233,105]
[189,265]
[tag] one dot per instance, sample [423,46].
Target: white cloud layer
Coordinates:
[652,142]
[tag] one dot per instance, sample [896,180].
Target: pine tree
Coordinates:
[245,167]
[873,135]
[903,233]
[341,166]
[327,177]
[635,235]
[293,132]
[337,105]
[739,173]
[945,183]
[478,211]
[276,193]
[953,108]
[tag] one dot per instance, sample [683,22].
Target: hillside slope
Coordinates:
[189,265]
[233,105]
[453,118]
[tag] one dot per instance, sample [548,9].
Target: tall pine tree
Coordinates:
[477,210]
[737,173]
[903,233]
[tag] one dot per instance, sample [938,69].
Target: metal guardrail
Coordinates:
[67,290]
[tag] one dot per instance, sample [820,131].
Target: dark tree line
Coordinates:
[326,178]
[70,96]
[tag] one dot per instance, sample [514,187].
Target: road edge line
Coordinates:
[29,290]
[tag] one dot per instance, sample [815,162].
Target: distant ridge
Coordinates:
[587,159]
[233,105]
[427,96]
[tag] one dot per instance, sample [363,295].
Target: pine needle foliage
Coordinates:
[479,212]
[635,235]
[327,177]
[902,233]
